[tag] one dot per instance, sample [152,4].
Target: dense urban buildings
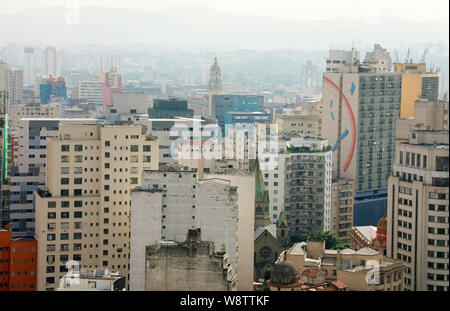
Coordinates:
[360,270]
[187,168]
[418,198]
[360,107]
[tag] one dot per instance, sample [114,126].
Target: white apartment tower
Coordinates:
[28,66]
[51,62]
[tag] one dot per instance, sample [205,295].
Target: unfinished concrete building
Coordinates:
[192,265]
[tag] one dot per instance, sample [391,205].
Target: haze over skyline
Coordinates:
[202,25]
[435,10]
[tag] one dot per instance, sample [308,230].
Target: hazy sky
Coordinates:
[413,10]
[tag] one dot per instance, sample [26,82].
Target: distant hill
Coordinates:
[196,26]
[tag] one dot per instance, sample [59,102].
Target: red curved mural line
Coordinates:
[352,121]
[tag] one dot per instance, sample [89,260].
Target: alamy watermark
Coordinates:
[238,143]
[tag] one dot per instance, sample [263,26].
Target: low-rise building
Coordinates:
[92,280]
[362,270]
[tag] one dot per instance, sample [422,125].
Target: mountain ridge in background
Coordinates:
[203,27]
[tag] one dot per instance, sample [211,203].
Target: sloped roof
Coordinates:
[261,193]
[281,221]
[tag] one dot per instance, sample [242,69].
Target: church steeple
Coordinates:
[215,79]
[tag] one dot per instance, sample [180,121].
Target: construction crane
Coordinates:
[397,58]
[407,56]
[422,60]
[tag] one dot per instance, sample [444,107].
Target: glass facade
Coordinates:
[379,107]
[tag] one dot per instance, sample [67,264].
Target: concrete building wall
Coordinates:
[186,203]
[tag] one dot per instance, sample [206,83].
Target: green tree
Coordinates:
[331,241]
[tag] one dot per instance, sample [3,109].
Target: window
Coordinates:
[147,159]
[134,148]
[77,214]
[78,170]
[64,170]
[78,181]
[133,180]
[64,158]
[78,158]
[78,148]
[51,204]
[134,159]
[147,148]
[65,204]
[64,214]
[64,181]
[64,236]
[51,215]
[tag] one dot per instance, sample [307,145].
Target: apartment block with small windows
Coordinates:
[418,197]
[28,171]
[83,213]
[342,204]
[17,262]
[299,125]
[307,185]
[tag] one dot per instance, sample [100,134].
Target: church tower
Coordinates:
[215,79]
[215,84]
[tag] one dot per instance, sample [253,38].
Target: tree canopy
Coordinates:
[331,241]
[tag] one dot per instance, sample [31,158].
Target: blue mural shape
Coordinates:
[342,138]
[352,88]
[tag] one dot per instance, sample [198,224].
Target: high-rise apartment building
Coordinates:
[83,214]
[299,125]
[28,72]
[33,109]
[307,185]
[91,91]
[28,173]
[338,59]
[380,58]
[360,106]
[418,198]
[51,88]
[342,204]
[417,84]
[51,63]
[14,89]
